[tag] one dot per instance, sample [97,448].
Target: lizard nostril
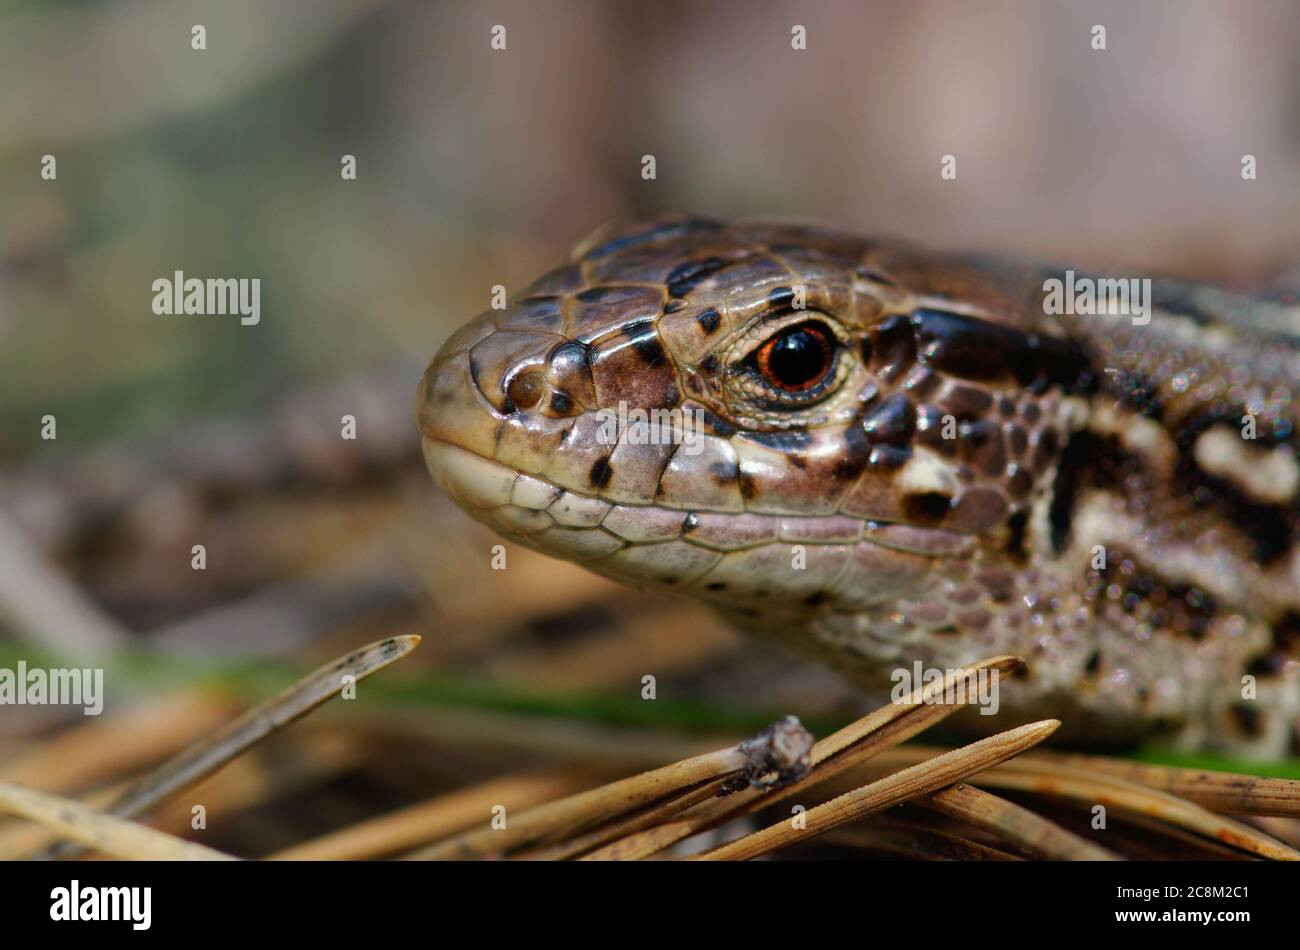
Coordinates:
[525,390]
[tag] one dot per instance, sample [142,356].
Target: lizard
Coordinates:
[899,456]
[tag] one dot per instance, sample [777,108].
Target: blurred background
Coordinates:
[477,167]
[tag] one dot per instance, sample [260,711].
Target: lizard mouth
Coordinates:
[727,557]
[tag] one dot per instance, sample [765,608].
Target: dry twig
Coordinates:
[209,754]
[892,790]
[95,829]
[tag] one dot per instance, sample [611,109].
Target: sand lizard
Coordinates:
[904,456]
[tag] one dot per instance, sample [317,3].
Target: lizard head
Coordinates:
[776,419]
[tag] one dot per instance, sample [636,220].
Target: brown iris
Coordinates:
[797,358]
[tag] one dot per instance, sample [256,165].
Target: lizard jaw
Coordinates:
[758,562]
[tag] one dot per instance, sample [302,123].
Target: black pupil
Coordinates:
[798,357]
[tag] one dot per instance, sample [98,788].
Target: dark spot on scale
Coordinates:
[1017,438]
[1176,298]
[570,356]
[722,472]
[670,581]
[1044,453]
[1249,721]
[1019,484]
[1062,362]
[980,349]
[926,506]
[870,273]
[846,470]
[1286,634]
[650,235]
[601,472]
[856,452]
[1269,664]
[966,402]
[748,487]
[536,300]
[784,440]
[930,428]
[714,425]
[690,522]
[894,343]
[1016,526]
[982,446]
[923,383]
[594,294]
[977,433]
[560,403]
[716,585]
[673,306]
[892,422]
[682,279]
[709,320]
[965,346]
[1093,663]
[709,364]
[814,600]
[889,456]
[780,297]
[645,341]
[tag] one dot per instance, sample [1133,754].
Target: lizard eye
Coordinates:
[796,359]
[787,368]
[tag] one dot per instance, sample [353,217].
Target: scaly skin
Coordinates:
[941,492]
